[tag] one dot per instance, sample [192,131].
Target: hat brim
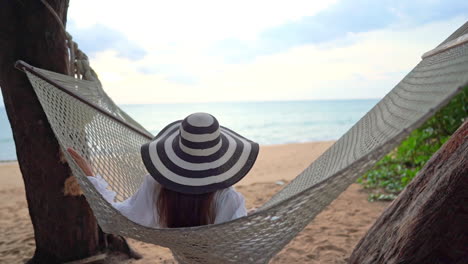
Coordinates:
[178,171]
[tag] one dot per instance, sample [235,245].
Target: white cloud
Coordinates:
[162,23]
[175,35]
[367,67]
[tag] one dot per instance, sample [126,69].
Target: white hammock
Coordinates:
[85,118]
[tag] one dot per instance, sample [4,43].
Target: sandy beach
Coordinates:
[330,238]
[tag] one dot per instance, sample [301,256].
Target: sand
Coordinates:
[330,238]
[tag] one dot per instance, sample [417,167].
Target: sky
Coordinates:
[203,51]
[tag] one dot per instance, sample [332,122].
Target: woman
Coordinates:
[192,165]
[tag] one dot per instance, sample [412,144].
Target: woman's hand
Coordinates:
[251,210]
[81,162]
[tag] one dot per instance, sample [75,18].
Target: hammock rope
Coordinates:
[91,120]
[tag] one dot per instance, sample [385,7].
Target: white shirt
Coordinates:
[141,207]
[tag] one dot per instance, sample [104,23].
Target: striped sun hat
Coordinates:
[197,155]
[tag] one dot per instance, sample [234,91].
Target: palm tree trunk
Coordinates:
[428,222]
[65,228]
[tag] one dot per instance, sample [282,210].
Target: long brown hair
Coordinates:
[184,210]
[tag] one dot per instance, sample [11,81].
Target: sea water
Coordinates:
[267,123]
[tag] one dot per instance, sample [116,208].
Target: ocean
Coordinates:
[267,123]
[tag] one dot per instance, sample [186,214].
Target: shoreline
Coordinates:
[280,162]
[261,146]
[8,161]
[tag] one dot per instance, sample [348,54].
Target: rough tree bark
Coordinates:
[64,226]
[428,222]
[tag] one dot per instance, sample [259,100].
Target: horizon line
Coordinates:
[247,101]
[255,101]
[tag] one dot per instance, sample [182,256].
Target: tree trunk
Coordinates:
[428,222]
[64,226]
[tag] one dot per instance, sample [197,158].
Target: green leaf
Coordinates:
[396,170]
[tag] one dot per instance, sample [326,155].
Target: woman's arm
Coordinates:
[140,207]
[99,183]
[81,162]
[230,205]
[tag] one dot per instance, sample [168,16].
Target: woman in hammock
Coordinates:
[192,165]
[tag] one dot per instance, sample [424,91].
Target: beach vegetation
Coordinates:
[392,173]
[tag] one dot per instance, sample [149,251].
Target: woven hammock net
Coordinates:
[113,149]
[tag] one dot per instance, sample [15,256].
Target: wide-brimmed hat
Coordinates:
[197,155]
